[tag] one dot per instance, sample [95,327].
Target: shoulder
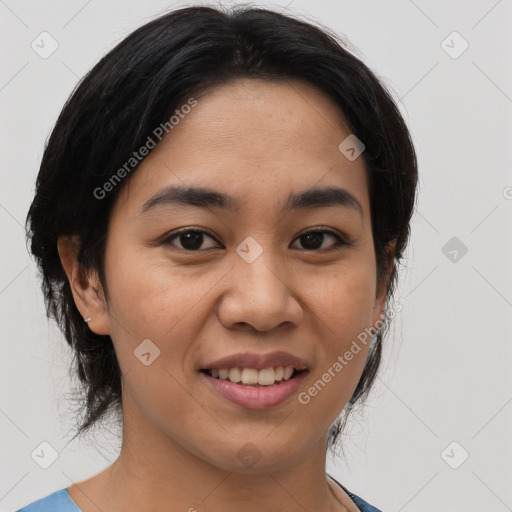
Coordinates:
[58,501]
[361,504]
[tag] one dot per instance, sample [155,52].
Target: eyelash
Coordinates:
[340,241]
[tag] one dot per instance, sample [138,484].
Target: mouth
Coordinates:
[255,389]
[251,377]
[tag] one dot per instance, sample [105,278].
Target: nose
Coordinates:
[260,295]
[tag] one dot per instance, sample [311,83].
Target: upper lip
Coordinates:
[257,361]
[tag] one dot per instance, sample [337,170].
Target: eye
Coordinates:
[190,239]
[313,239]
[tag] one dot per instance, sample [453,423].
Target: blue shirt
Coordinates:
[60,501]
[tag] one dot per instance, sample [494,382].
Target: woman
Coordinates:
[218,218]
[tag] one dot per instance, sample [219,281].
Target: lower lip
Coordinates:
[256,397]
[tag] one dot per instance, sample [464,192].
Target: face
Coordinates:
[203,282]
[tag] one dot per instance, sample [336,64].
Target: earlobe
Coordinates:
[85,286]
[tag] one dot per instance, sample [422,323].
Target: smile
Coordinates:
[253,376]
[249,391]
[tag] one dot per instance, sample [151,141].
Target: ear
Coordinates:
[383,284]
[85,286]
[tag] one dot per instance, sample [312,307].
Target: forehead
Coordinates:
[284,118]
[254,140]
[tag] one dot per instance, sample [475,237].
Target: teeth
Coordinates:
[234,375]
[252,377]
[288,370]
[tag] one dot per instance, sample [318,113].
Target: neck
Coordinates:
[155,472]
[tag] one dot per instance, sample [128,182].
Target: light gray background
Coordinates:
[447,370]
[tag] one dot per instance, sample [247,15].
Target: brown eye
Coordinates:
[312,240]
[190,240]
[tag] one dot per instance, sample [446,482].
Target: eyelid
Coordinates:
[342,240]
[327,230]
[174,234]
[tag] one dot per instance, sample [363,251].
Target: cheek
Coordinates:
[342,308]
[156,301]
[343,301]
[149,292]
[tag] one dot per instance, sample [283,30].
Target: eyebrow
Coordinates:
[208,198]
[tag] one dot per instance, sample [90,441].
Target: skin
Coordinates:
[258,141]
